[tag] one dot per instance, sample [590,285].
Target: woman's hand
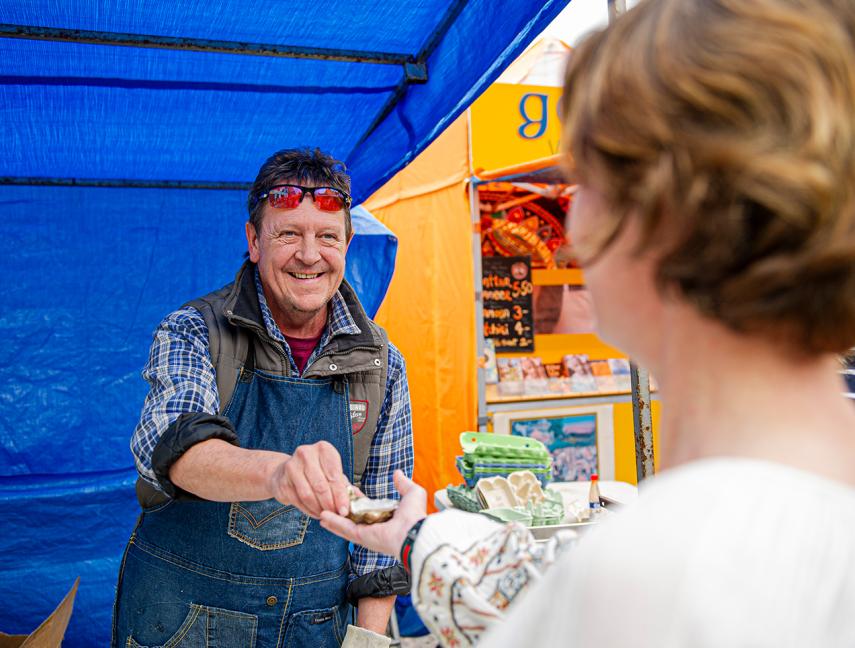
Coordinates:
[385,537]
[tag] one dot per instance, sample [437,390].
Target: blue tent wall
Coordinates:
[370,259]
[90,273]
[92,261]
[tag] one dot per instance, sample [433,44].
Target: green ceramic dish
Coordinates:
[463,498]
[509,515]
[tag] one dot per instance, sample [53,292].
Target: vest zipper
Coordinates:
[329,353]
[356,348]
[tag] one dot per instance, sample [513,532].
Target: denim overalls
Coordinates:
[246,574]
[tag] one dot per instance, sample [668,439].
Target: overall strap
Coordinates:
[371,388]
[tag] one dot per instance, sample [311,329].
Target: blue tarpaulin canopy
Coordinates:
[129,134]
[202,91]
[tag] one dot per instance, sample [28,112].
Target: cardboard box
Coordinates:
[51,631]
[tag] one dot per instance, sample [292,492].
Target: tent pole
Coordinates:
[43,181]
[616,8]
[480,342]
[32,32]
[642,422]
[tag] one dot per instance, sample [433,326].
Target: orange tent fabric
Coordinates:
[429,311]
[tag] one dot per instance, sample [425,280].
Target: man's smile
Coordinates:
[305,275]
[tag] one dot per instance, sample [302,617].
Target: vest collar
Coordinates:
[241,307]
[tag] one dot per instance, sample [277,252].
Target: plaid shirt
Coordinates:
[182,379]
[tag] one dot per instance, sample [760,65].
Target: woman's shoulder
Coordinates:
[722,524]
[742,488]
[728,544]
[726,521]
[742,501]
[725,477]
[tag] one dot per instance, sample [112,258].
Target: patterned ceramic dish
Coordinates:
[509,515]
[463,498]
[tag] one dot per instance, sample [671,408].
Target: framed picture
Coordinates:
[580,439]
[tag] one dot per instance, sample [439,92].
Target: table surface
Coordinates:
[617,491]
[614,491]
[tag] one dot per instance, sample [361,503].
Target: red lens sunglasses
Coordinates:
[289,196]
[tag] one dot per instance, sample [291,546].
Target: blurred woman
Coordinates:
[714,143]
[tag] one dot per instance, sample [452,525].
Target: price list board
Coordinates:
[506,289]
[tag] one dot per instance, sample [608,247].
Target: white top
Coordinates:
[724,552]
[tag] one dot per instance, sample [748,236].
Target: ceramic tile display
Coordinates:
[580,439]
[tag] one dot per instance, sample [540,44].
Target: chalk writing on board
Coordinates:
[507,299]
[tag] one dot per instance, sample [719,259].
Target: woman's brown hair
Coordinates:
[728,128]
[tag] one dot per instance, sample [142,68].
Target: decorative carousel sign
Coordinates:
[522,225]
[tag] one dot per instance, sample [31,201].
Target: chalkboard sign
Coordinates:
[507,293]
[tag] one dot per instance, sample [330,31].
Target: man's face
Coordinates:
[300,256]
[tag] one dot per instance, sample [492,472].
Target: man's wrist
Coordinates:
[275,475]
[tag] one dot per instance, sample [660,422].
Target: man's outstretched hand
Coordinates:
[312,480]
[385,537]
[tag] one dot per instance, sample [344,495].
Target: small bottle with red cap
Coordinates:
[594,507]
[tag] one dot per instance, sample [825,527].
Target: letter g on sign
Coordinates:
[533,127]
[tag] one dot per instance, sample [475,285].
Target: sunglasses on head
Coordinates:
[288,196]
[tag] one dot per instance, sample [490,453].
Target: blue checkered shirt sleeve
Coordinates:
[391,449]
[181,378]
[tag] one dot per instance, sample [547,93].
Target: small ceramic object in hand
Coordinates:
[364,510]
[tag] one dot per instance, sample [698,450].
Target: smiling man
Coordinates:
[267,397]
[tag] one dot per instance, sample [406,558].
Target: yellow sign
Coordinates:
[512,124]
